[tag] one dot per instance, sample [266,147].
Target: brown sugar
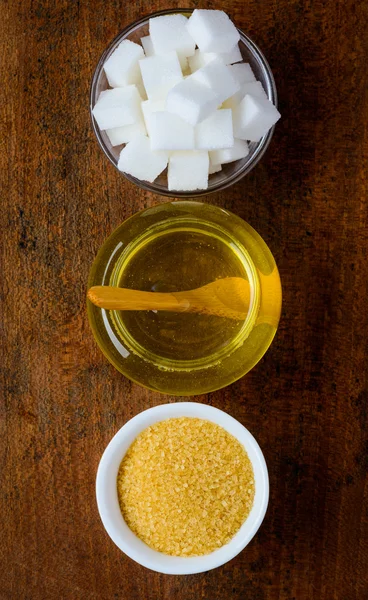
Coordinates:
[185,486]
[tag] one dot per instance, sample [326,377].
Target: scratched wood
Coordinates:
[307,400]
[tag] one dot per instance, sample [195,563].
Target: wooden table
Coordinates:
[306,401]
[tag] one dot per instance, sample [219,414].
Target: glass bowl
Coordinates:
[231,173]
[180,246]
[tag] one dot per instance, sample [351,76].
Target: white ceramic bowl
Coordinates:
[107,497]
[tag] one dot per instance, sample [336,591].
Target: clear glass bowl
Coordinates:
[231,173]
[179,246]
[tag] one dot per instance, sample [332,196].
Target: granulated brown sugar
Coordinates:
[185,486]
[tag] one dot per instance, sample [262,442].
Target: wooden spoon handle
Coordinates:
[115,298]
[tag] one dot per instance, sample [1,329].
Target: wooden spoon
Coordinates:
[228,297]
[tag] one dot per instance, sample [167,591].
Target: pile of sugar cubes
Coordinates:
[183,100]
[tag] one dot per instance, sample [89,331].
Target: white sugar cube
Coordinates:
[170,132]
[191,100]
[215,132]
[229,58]
[239,150]
[212,31]
[218,78]
[188,171]
[214,169]
[160,74]
[137,159]
[122,135]
[141,89]
[118,107]
[254,88]
[168,33]
[242,73]
[254,117]
[200,59]
[122,67]
[149,107]
[146,42]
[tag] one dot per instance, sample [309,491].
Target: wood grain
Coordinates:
[307,400]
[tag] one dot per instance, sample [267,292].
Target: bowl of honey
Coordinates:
[177,247]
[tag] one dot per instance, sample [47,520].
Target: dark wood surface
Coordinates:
[306,401]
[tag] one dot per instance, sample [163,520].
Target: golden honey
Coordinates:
[180,246]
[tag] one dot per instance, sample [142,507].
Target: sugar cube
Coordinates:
[242,73]
[191,100]
[214,169]
[126,133]
[229,58]
[188,171]
[146,42]
[254,88]
[239,150]
[212,30]
[122,67]
[218,78]
[254,117]
[168,33]
[160,74]
[149,107]
[118,107]
[200,59]
[141,89]
[216,131]
[170,132]
[137,159]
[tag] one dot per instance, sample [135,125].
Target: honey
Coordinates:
[176,260]
[175,247]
